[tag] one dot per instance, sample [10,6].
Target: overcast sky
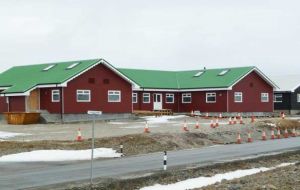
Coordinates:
[153,34]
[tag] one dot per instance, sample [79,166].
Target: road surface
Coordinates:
[29,175]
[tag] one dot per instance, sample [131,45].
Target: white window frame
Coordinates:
[169,95]
[238,94]
[55,92]
[264,94]
[298,98]
[275,98]
[211,94]
[83,92]
[148,95]
[186,95]
[135,95]
[114,93]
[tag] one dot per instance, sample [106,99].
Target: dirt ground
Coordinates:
[286,178]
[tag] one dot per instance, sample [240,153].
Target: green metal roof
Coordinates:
[20,79]
[210,78]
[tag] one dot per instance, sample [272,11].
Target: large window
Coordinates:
[298,97]
[83,95]
[277,97]
[146,97]
[211,97]
[114,96]
[134,98]
[238,97]
[55,97]
[170,98]
[186,98]
[264,97]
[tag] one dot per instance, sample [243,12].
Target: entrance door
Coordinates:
[157,102]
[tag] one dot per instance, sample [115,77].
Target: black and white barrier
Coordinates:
[121,149]
[165,160]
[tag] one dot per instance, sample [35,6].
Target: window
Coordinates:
[83,95]
[73,65]
[134,98]
[92,80]
[169,98]
[277,97]
[298,97]
[55,96]
[222,73]
[186,98]
[211,97]
[114,96]
[48,67]
[238,97]
[199,74]
[146,97]
[264,97]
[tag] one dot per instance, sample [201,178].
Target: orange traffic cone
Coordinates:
[197,126]
[249,137]
[294,132]
[230,121]
[241,120]
[272,134]
[238,116]
[282,115]
[263,136]
[217,123]
[212,124]
[192,113]
[239,140]
[220,116]
[146,129]
[206,115]
[286,133]
[234,120]
[278,133]
[79,137]
[185,127]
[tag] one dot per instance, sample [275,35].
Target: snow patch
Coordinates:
[271,124]
[59,155]
[205,181]
[7,135]
[162,119]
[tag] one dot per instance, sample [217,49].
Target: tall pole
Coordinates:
[93,146]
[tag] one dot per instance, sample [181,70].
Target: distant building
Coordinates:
[78,86]
[287,97]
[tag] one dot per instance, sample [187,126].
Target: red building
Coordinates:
[78,86]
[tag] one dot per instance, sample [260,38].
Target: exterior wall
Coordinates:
[99,93]
[3,105]
[251,86]
[295,105]
[198,102]
[17,104]
[286,101]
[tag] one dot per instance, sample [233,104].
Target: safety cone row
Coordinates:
[234,120]
[238,139]
[249,137]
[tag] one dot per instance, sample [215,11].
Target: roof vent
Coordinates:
[224,72]
[48,67]
[73,65]
[199,74]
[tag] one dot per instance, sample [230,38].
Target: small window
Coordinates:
[146,97]
[211,97]
[222,73]
[238,97]
[48,67]
[92,80]
[55,96]
[169,98]
[83,95]
[199,74]
[298,97]
[264,97]
[186,98]
[278,98]
[105,81]
[134,98]
[114,96]
[72,65]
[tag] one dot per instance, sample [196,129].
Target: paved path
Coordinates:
[26,175]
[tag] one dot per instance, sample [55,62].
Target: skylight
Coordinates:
[199,74]
[73,65]
[48,67]
[223,72]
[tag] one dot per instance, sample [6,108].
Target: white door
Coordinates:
[157,102]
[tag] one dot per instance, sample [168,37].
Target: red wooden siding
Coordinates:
[46,100]
[3,105]
[17,104]
[251,86]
